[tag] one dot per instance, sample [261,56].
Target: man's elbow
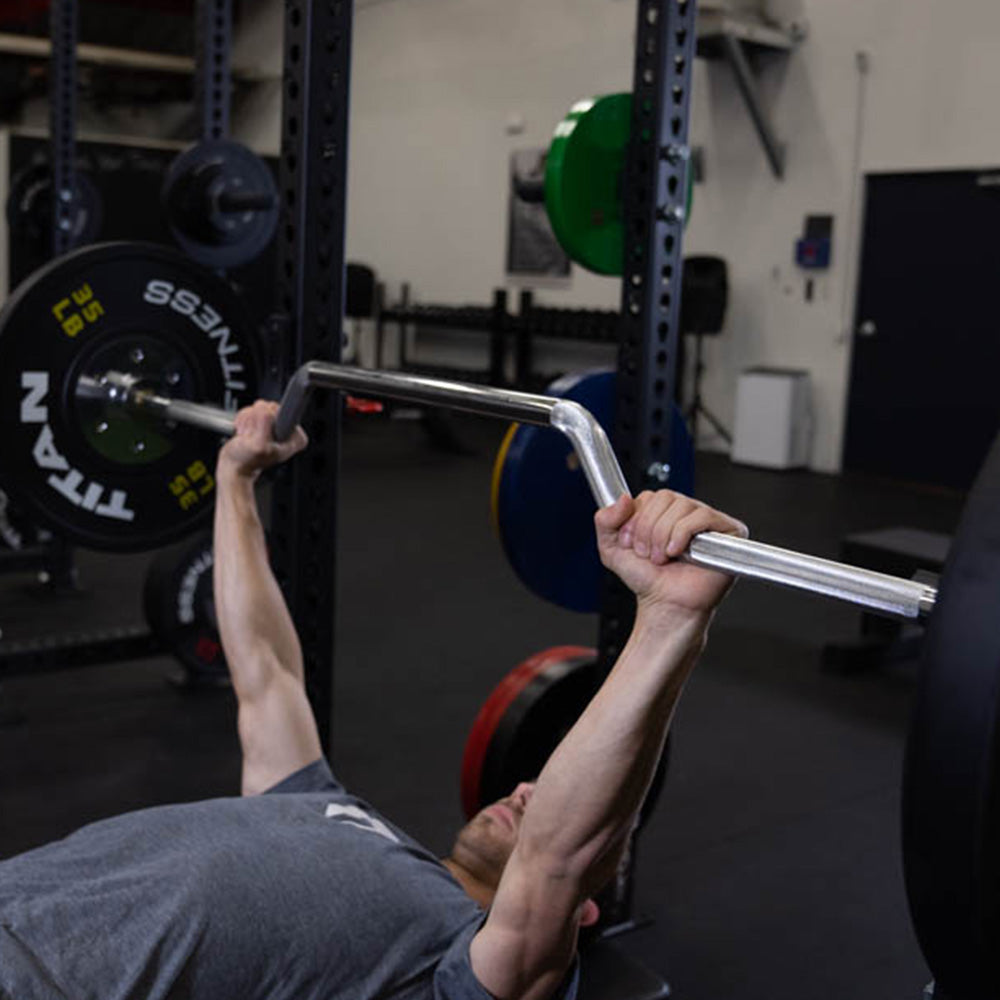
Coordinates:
[581,869]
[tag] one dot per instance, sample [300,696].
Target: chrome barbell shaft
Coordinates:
[738,556]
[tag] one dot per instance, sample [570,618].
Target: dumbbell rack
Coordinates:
[594,325]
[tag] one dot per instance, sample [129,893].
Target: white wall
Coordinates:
[929,104]
[435,81]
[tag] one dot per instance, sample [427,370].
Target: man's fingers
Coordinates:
[653,524]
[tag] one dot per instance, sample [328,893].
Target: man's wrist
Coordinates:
[659,619]
[232,476]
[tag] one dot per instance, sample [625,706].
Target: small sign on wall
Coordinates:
[533,253]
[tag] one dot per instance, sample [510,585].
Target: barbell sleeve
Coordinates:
[879,592]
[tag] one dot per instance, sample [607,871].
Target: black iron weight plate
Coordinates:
[100,477]
[179,606]
[951,788]
[549,693]
[197,180]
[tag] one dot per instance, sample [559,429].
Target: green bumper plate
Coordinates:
[583,181]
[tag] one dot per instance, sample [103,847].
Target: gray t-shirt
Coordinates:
[304,892]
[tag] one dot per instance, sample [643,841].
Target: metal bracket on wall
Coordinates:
[734,38]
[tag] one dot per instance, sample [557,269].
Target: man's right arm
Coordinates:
[276,725]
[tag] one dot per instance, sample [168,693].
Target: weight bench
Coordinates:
[607,973]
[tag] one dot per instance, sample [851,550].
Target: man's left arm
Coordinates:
[586,800]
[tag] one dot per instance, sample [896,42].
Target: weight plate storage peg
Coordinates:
[221,202]
[97,474]
[180,610]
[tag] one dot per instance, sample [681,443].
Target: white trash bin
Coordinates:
[774,421]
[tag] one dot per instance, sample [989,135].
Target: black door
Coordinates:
[924,402]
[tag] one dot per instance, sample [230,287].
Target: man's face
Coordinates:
[484,845]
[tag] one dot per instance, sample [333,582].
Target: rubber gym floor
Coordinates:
[771,868]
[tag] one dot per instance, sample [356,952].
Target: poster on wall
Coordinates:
[533,252]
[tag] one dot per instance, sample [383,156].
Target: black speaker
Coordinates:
[704,295]
[360,295]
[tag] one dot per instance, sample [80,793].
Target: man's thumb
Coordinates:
[609,519]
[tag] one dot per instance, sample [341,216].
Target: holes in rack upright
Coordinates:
[656,417]
[665,300]
[682,37]
[679,64]
[661,358]
[295,16]
[669,242]
[675,125]
[659,386]
[672,184]
[294,53]
[677,92]
[651,14]
[662,330]
[648,76]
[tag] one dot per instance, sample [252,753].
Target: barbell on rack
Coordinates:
[741,557]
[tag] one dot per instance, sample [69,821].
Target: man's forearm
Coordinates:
[257,631]
[588,794]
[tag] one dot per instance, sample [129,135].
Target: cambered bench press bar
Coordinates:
[878,592]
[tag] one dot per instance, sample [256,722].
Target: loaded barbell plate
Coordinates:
[97,475]
[179,606]
[543,509]
[525,718]
[951,779]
